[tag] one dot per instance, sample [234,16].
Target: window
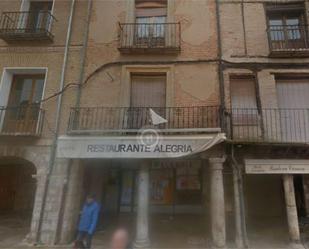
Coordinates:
[286,25]
[150,19]
[147,91]
[243,101]
[23,107]
[38,19]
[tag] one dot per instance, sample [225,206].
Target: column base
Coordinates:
[141,244]
[296,245]
[218,247]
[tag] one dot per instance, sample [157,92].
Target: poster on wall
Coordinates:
[161,186]
[188,176]
[188,183]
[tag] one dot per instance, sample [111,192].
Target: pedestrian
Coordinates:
[120,239]
[88,222]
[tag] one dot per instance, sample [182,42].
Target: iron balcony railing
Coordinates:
[289,126]
[288,38]
[25,120]
[143,37]
[26,25]
[88,120]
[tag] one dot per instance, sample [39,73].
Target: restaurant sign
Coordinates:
[133,147]
[276,166]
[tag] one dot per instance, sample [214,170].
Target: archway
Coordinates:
[17,192]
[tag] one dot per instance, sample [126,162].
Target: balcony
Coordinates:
[288,40]
[130,120]
[26,120]
[276,126]
[26,26]
[149,38]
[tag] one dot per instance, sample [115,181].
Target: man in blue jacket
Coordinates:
[88,221]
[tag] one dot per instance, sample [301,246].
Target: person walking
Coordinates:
[88,221]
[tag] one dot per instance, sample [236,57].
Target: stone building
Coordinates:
[130,100]
[264,48]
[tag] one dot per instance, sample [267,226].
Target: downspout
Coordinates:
[83,55]
[77,104]
[220,66]
[238,188]
[57,124]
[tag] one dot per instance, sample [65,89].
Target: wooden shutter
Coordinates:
[243,101]
[148,91]
[243,93]
[293,103]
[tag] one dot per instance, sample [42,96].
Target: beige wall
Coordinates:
[244,35]
[190,83]
[49,56]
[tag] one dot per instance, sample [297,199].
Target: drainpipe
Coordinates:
[57,124]
[240,217]
[220,65]
[83,55]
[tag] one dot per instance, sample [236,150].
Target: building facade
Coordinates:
[132,100]
[264,71]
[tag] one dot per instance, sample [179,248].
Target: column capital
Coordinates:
[216,163]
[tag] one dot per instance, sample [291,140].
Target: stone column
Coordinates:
[72,203]
[40,182]
[217,208]
[239,236]
[291,208]
[142,223]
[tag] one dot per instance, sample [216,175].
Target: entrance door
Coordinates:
[23,108]
[293,102]
[146,92]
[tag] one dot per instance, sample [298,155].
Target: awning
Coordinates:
[133,147]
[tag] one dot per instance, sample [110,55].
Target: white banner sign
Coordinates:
[277,166]
[132,147]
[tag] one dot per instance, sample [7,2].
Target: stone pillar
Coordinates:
[217,207]
[291,208]
[142,224]
[239,236]
[53,204]
[40,184]
[72,203]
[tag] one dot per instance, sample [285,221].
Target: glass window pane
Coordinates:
[275,22]
[38,90]
[143,27]
[25,92]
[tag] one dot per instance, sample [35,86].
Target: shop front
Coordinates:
[275,197]
[157,191]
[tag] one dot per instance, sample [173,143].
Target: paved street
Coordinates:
[190,233]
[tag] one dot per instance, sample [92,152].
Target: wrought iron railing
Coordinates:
[132,119]
[27,25]
[268,125]
[25,120]
[288,37]
[149,36]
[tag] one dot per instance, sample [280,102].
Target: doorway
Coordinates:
[293,103]
[39,16]
[147,91]
[23,109]
[17,193]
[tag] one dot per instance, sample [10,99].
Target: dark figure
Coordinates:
[88,222]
